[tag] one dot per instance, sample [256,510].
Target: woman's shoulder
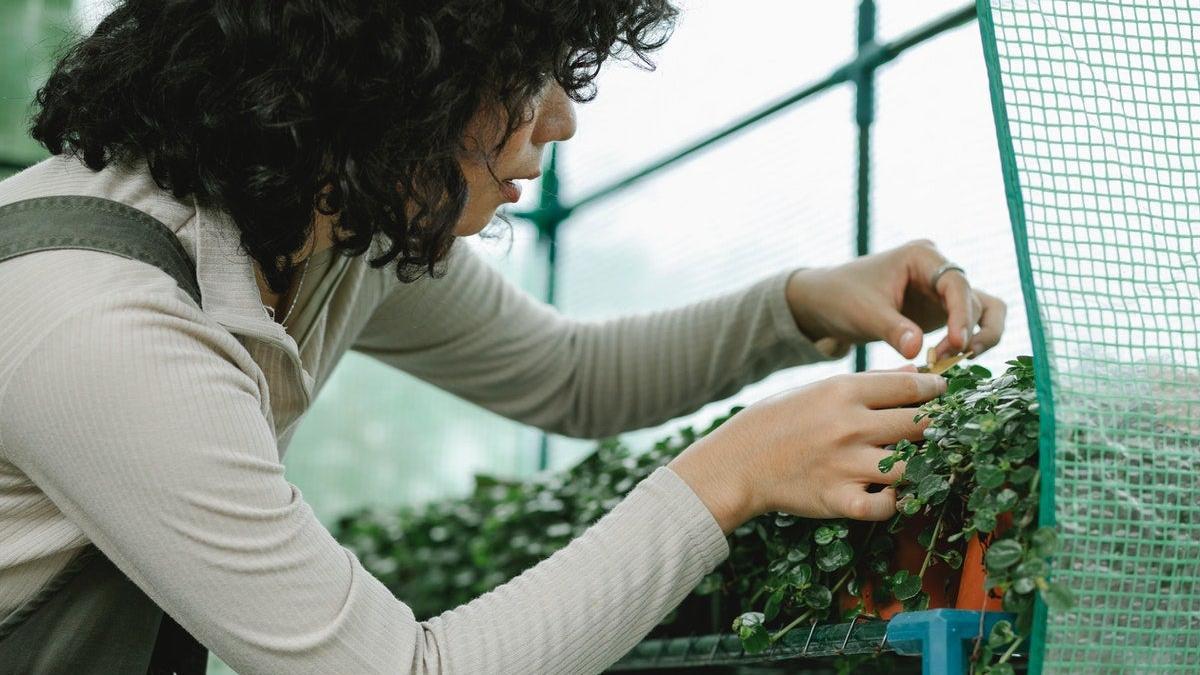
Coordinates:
[107,302]
[36,287]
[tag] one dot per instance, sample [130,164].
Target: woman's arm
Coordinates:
[475,335]
[144,423]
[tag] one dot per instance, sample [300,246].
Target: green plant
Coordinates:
[974,476]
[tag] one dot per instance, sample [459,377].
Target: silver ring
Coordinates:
[937,276]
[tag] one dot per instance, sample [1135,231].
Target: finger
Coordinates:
[870,473]
[855,502]
[991,323]
[890,390]
[955,292]
[945,348]
[833,347]
[900,332]
[893,425]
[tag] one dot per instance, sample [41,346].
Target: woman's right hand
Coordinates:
[811,451]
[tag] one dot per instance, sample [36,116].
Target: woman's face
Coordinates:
[520,158]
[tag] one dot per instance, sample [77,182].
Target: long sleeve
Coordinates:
[474,334]
[144,423]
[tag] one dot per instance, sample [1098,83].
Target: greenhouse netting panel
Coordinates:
[1097,108]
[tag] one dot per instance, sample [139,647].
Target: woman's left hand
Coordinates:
[890,296]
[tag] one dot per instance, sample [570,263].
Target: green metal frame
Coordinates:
[550,214]
[1041,361]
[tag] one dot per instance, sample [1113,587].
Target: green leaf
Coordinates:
[1057,597]
[796,554]
[800,575]
[817,597]
[1045,541]
[905,585]
[888,463]
[959,384]
[1015,602]
[933,489]
[771,610]
[917,603]
[824,535]
[1001,635]
[1024,585]
[952,558]
[1006,499]
[1002,555]
[834,556]
[917,468]
[753,634]
[854,587]
[1033,568]
[989,476]
[984,521]
[980,372]
[909,505]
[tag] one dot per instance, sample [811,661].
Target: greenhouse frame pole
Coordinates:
[547,218]
[864,115]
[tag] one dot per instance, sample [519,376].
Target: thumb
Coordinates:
[901,333]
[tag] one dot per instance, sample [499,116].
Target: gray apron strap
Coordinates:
[96,224]
[90,618]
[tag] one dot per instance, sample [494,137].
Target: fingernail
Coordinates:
[977,348]
[966,337]
[906,339]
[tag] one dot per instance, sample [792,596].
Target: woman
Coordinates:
[317,161]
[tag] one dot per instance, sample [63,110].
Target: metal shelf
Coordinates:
[940,637]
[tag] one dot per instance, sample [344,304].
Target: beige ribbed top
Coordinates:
[132,418]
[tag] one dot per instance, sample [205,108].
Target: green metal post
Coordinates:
[864,115]
[547,218]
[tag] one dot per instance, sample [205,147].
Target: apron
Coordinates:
[90,618]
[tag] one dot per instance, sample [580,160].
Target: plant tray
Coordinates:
[862,637]
[939,636]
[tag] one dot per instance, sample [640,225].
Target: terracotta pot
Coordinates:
[971,594]
[961,589]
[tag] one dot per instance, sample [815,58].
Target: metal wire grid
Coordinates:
[815,641]
[1097,107]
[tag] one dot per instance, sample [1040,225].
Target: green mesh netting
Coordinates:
[1097,108]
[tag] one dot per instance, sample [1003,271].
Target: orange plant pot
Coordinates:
[971,593]
[961,589]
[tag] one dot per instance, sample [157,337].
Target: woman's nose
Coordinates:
[555,120]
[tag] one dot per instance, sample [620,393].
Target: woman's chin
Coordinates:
[469,227]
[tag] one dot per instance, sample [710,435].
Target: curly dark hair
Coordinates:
[271,109]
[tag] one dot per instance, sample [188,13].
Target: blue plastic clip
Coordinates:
[940,637]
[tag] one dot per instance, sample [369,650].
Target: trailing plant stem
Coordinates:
[1012,649]
[937,528]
